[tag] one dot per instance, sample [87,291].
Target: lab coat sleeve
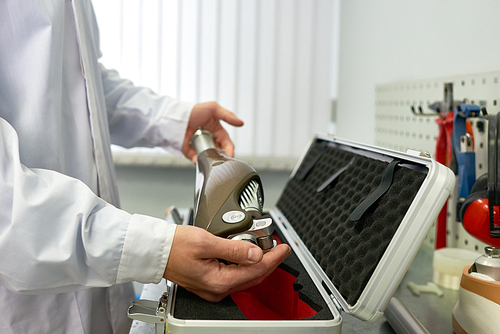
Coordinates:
[139,117]
[57,236]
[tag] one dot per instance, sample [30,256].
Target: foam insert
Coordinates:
[347,251]
[189,306]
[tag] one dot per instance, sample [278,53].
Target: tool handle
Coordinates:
[466,172]
[401,319]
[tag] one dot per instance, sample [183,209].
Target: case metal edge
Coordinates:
[375,149]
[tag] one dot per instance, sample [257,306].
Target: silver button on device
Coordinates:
[233,217]
[261,223]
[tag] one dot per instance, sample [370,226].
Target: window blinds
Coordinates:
[269,61]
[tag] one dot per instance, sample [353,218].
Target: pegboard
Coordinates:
[397,128]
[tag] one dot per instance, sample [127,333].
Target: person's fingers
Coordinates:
[226,144]
[227,116]
[268,265]
[234,251]
[187,149]
[241,275]
[222,137]
[190,154]
[208,116]
[193,263]
[236,278]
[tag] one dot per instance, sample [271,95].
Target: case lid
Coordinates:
[362,212]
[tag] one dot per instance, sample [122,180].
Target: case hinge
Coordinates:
[150,311]
[336,303]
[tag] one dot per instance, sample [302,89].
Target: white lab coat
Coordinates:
[67,254]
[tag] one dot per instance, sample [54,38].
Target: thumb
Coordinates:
[234,251]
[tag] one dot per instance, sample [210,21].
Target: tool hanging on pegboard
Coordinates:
[430,124]
[455,148]
[480,210]
[444,151]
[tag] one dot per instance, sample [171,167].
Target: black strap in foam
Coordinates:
[382,188]
[334,177]
[310,166]
[493,172]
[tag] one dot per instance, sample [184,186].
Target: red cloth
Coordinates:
[274,299]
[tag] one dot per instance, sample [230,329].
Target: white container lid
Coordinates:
[448,264]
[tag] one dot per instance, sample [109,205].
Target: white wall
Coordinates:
[391,40]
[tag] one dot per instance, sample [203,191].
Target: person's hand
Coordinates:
[208,116]
[193,263]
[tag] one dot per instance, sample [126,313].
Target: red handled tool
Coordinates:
[440,156]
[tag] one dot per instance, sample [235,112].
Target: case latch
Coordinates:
[418,153]
[150,311]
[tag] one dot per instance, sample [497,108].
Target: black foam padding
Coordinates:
[348,251]
[189,306]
